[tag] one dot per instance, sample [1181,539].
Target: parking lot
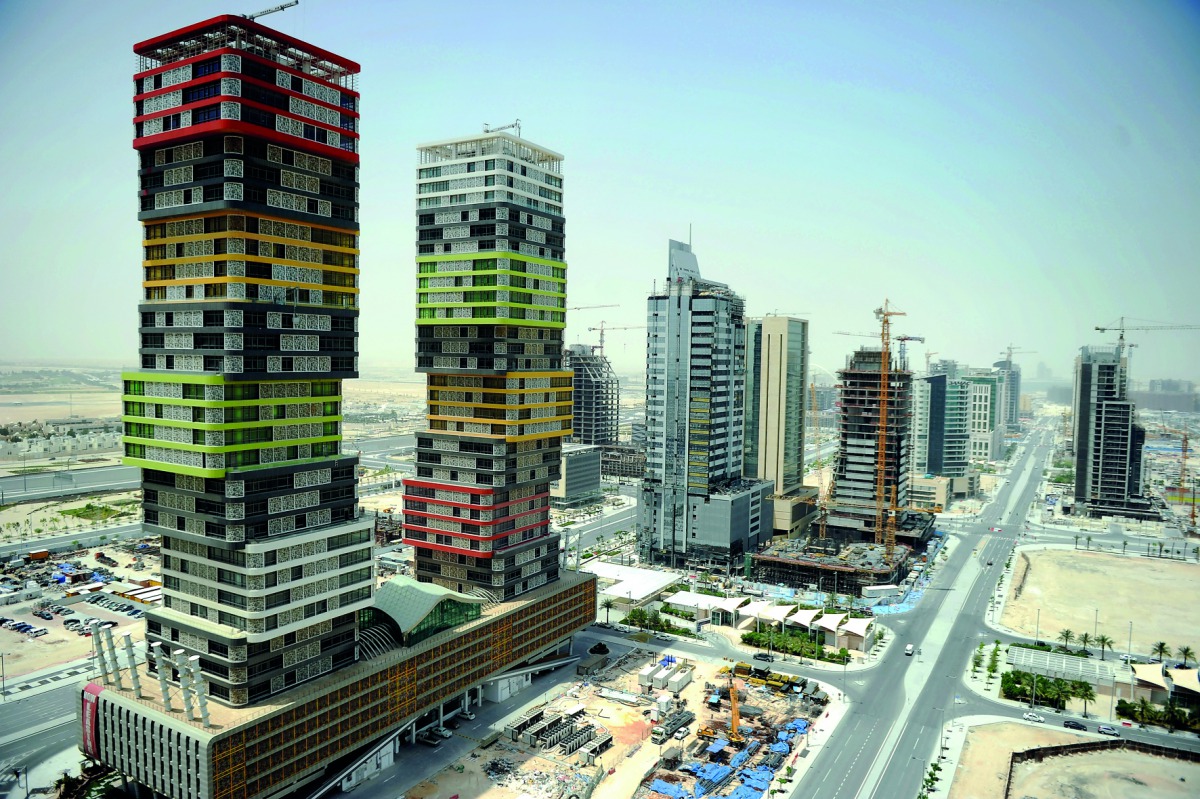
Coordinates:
[67,636]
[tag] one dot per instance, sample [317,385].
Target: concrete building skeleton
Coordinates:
[852,516]
[596,394]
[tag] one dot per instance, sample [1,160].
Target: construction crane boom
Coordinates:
[928,354]
[510,126]
[1121,327]
[271,10]
[603,328]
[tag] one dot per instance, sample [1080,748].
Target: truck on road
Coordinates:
[663,731]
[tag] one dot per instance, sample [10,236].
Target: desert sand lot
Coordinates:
[1068,586]
[983,768]
[83,404]
[1107,775]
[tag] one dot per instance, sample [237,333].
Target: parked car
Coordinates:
[38,631]
[442,731]
[909,649]
[468,715]
[1104,729]
[682,733]
[451,724]
[429,739]
[1034,717]
[1072,724]
[67,612]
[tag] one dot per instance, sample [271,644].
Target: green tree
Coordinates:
[1066,636]
[1083,690]
[1161,650]
[1144,712]
[1185,653]
[1076,541]
[1084,640]
[1089,543]
[1104,642]
[1173,715]
[608,604]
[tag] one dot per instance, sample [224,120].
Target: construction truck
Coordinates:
[663,731]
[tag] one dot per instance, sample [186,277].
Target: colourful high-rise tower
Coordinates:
[247,141]
[491,297]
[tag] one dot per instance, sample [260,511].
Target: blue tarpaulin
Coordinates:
[717,746]
[783,735]
[780,747]
[669,789]
[737,760]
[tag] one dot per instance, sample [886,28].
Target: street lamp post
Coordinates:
[22,771]
[3,687]
[1096,625]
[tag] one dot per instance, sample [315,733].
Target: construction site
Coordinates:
[648,725]
[866,535]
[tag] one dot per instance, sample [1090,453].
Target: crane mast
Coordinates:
[885,528]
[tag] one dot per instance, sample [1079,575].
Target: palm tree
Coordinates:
[1174,715]
[1104,642]
[608,604]
[1161,650]
[1084,640]
[1065,690]
[1124,546]
[1066,636]
[1077,542]
[1083,689]
[1144,711]
[1185,653]
[1089,543]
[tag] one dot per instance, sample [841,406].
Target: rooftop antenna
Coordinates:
[271,10]
[510,126]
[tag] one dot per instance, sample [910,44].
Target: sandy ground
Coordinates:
[1069,586]
[1107,775]
[983,767]
[83,404]
[43,514]
[983,764]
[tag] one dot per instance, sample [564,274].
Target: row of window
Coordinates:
[490,165]
[240,391]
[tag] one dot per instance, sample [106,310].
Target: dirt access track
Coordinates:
[1069,587]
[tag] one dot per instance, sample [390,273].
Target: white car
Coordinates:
[468,715]
[442,731]
[1034,717]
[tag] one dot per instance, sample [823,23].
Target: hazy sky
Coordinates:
[1014,172]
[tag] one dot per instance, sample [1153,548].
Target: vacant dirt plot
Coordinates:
[1068,586]
[983,765]
[1107,775]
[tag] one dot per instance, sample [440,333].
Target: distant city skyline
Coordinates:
[1004,174]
